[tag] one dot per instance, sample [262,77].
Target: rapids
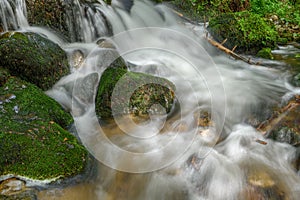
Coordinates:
[168,157]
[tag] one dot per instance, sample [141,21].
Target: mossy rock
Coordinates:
[142,91]
[33,58]
[248,31]
[265,53]
[33,141]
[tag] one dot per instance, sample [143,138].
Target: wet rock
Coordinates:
[84,90]
[13,188]
[204,119]
[33,141]
[132,93]
[287,129]
[105,44]
[76,58]
[33,58]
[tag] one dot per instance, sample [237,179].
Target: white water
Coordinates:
[183,161]
[13,14]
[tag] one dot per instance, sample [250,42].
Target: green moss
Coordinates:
[203,10]
[149,90]
[250,32]
[33,58]
[265,53]
[32,140]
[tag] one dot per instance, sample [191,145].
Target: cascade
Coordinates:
[223,161]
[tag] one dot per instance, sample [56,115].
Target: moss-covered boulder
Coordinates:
[144,91]
[33,58]
[265,53]
[33,139]
[248,31]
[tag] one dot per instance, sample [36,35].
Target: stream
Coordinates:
[170,157]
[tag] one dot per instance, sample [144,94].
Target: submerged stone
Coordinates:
[133,93]
[33,141]
[33,58]
[12,186]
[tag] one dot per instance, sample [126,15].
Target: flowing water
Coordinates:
[169,157]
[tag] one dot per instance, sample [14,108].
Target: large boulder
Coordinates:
[135,93]
[34,142]
[33,58]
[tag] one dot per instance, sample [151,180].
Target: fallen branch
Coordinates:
[267,126]
[217,44]
[230,52]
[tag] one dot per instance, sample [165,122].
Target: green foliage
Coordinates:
[32,140]
[288,13]
[203,8]
[286,10]
[250,32]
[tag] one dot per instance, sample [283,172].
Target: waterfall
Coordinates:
[86,22]
[223,161]
[13,14]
